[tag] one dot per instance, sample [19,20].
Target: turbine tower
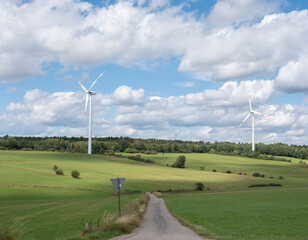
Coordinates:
[252,114]
[89,96]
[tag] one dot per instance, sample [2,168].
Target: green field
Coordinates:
[56,207]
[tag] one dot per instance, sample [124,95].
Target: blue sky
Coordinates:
[174,69]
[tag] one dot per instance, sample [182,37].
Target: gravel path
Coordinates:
[159,224]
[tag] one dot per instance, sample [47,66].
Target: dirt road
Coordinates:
[159,224]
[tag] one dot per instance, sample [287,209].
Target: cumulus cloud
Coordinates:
[125,95]
[247,51]
[250,39]
[293,76]
[129,112]
[234,12]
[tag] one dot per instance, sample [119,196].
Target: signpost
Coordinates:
[118,183]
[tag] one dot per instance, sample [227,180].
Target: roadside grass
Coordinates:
[259,214]
[57,207]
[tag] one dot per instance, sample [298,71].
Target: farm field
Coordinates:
[253,214]
[56,207]
[294,172]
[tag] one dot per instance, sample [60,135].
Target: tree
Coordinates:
[180,162]
[122,145]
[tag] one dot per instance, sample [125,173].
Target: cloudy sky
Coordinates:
[174,69]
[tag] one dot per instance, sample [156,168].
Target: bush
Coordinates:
[140,159]
[202,168]
[256,174]
[59,171]
[228,171]
[239,173]
[55,167]
[131,150]
[75,173]
[199,186]
[262,175]
[150,152]
[280,177]
[265,185]
[245,174]
[180,162]
[214,170]
[271,177]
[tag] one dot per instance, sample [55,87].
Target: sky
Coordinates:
[173,69]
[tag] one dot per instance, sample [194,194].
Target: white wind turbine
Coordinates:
[89,95]
[252,114]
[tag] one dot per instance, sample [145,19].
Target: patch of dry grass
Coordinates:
[12,230]
[130,220]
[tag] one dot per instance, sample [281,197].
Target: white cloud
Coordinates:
[159,3]
[125,95]
[293,76]
[234,94]
[235,12]
[246,51]
[129,112]
[230,43]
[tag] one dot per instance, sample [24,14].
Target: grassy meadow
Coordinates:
[57,207]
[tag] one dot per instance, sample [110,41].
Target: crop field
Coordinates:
[57,207]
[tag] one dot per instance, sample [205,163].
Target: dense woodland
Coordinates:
[110,145]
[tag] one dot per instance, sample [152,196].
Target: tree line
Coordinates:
[111,145]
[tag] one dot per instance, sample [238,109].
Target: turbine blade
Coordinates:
[95,81]
[244,120]
[85,110]
[250,104]
[262,114]
[83,87]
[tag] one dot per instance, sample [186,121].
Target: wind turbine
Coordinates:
[252,114]
[89,95]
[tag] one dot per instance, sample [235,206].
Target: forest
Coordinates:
[111,145]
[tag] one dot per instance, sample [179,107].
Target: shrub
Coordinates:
[256,174]
[245,174]
[55,167]
[265,185]
[150,152]
[140,159]
[202,168]
[280,177]
[239,173]
[262,175]
[131,150]
[59,171]
[180,162]
[228,171]
[214,170]
[199,186]
[75,173]
[271,177]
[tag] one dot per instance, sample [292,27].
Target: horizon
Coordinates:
[175,70]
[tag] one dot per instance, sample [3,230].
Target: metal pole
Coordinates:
[253,131]
[90,126]
[119,188]
[119,204]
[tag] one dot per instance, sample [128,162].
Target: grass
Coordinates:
[57,207]
[293,171]
[259,214]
